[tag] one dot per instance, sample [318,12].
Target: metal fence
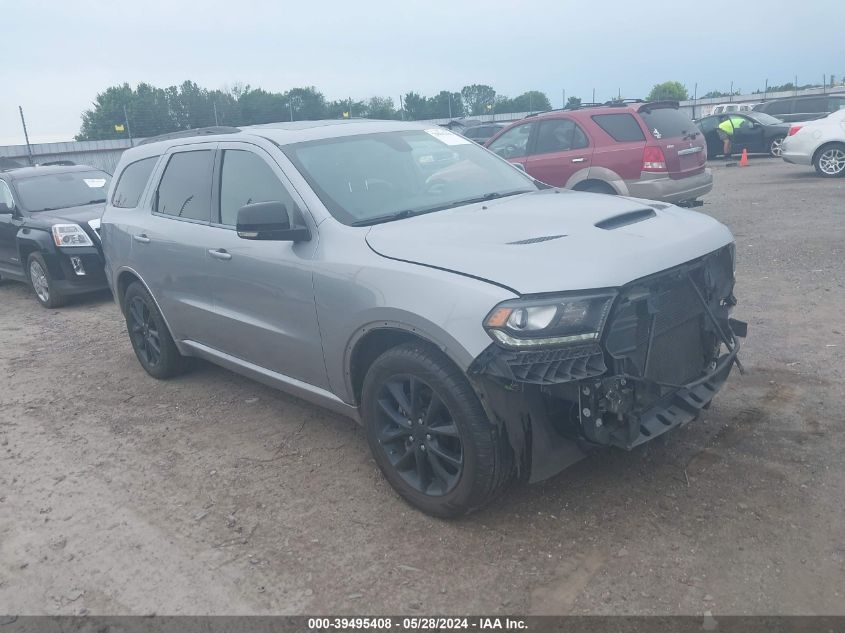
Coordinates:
[105,154]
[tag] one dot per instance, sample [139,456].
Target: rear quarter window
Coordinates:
[132,182]
[622,128]
[667,122]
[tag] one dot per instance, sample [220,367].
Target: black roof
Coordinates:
[45,170]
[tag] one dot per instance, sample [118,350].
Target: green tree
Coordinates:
[668,91]
[379,108]
[477,97]
[147,107]
[573,102]
[308,103]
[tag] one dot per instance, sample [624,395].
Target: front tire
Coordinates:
[42,283]
[776,146]
[151,340]
[830,161]
[429,433]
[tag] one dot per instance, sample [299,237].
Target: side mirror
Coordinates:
[519,166]
[269,221]
[5,209]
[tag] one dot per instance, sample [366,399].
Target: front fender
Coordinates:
[31,240]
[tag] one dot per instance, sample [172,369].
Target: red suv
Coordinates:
[642,149]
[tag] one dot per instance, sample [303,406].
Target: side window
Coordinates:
[132,182]
[514,142]
[560,135]
[780,107]
[708,124]
[185,188]
[6,194]
[244,179]
[812,106]
[622,128]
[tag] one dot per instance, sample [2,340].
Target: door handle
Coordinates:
[578,160]
[143,239]
[219,253]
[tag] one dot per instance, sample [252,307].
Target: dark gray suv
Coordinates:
[480,325]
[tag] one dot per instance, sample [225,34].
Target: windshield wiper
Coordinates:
[409,213]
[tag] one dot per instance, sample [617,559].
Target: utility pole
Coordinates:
[732,93]
[26,136]
[563,98]
[214,103]
[128,129]
[795,89]
[530,104]
[290,105]
[766,89]
[450,106]
[694,99]
[594,95]
[824,84]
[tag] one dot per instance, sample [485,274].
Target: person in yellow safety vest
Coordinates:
[726,131]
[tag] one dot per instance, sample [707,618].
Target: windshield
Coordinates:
[371,178]
[58,191]
[765,119]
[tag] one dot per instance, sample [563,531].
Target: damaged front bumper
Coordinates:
[667,349]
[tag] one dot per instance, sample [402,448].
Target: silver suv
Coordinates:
[480,325]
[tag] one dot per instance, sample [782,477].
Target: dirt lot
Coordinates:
[213,494]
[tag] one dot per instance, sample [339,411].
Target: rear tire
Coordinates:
[148,333]
[430,435]
[597,187]
[42,283]
[830,161]
[776,146]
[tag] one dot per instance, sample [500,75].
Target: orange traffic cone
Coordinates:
[743,162]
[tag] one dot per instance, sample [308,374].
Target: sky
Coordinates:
[58,54]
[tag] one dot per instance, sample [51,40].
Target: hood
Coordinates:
[77,215]
[552,241]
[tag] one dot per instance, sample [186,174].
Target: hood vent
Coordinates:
[624,219]
[536,240]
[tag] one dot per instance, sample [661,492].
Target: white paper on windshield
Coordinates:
[447,137]
[94,183]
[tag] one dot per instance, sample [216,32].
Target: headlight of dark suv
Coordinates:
[556,320]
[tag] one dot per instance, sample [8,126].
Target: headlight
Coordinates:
[70,235]
[549,321]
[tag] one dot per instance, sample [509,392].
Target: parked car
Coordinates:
[724,108]
[480,326]
[805,108]
[820,143]
[759,133]
[49,222]
[646,150]
[482,133]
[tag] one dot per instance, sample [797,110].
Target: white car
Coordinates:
[724,108]
[820,143]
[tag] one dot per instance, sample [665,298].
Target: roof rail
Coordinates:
[615,103]
[199,131]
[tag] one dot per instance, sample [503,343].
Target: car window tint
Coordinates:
[513,143]
[811,106]
[132,182]
[779,107]
[185,188]
[245,178]
[621,127]
[708,124]
[667,122]
[6,194]
[559,135]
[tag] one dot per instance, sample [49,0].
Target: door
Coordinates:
[263,292]
[9,225]
[560,150]
[167,237]
[513,144]
[748,135]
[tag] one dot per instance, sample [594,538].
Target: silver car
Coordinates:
[480,325]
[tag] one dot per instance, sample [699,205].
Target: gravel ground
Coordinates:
[212,494]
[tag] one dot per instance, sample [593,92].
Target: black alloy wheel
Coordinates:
[149,335]
[416,430]
[144,332]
